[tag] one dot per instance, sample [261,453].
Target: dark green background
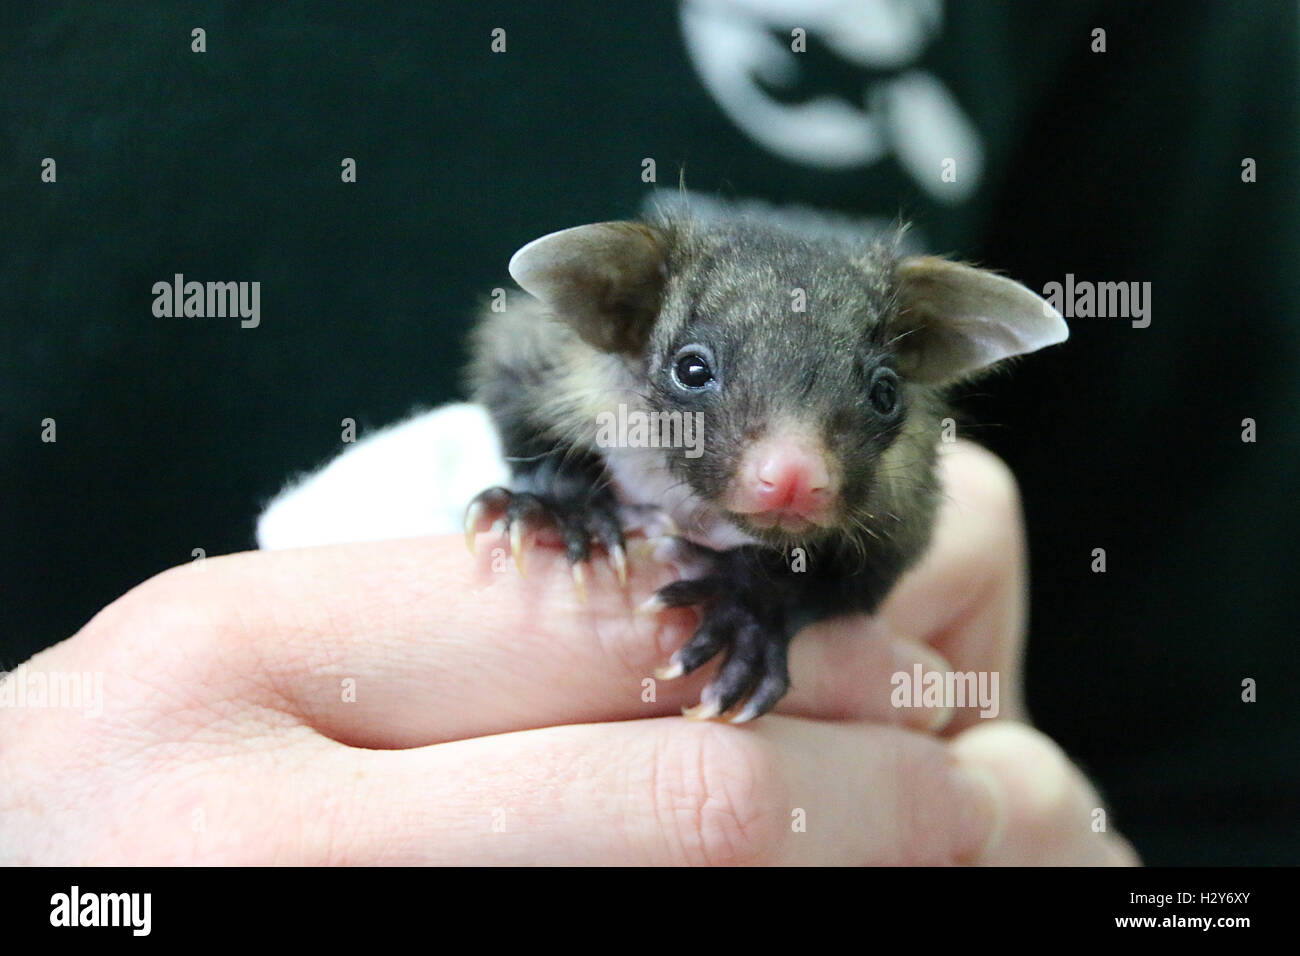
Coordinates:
[1122,166]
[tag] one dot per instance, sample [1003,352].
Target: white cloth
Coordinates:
[412,478]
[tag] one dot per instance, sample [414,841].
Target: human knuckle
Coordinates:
[175,618]
[991,483]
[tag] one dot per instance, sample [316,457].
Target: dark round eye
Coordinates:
[691,368]
[884,391]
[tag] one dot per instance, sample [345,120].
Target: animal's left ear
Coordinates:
[954,319]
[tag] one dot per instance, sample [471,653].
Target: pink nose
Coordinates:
[781,477]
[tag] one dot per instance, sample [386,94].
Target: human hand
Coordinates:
[397,702]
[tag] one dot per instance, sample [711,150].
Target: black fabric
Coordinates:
[1117,166]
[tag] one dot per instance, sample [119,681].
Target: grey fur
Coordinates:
[617,303]
[731,283]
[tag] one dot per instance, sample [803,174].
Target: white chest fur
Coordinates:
[642,477]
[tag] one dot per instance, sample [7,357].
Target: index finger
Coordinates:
[438,647]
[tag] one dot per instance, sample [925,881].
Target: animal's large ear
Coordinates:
[606,280]
[954,319]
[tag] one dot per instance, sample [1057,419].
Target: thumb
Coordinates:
[1050,814]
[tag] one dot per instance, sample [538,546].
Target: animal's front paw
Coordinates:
[580,522]
[747,623]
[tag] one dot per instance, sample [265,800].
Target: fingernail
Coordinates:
[980,811]
[907,654]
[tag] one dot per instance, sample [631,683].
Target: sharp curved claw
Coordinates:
[472,514]
[580,582]
[517,546]
[671,671]
[619,558]
[652,605]
[745,715]
[704,710]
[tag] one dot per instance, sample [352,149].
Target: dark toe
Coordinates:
[687,592]
[742,670]
[577,539]
[771,687]
[716,632]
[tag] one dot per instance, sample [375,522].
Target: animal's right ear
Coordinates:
[605,280]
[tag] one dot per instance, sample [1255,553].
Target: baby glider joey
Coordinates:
[819,426]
